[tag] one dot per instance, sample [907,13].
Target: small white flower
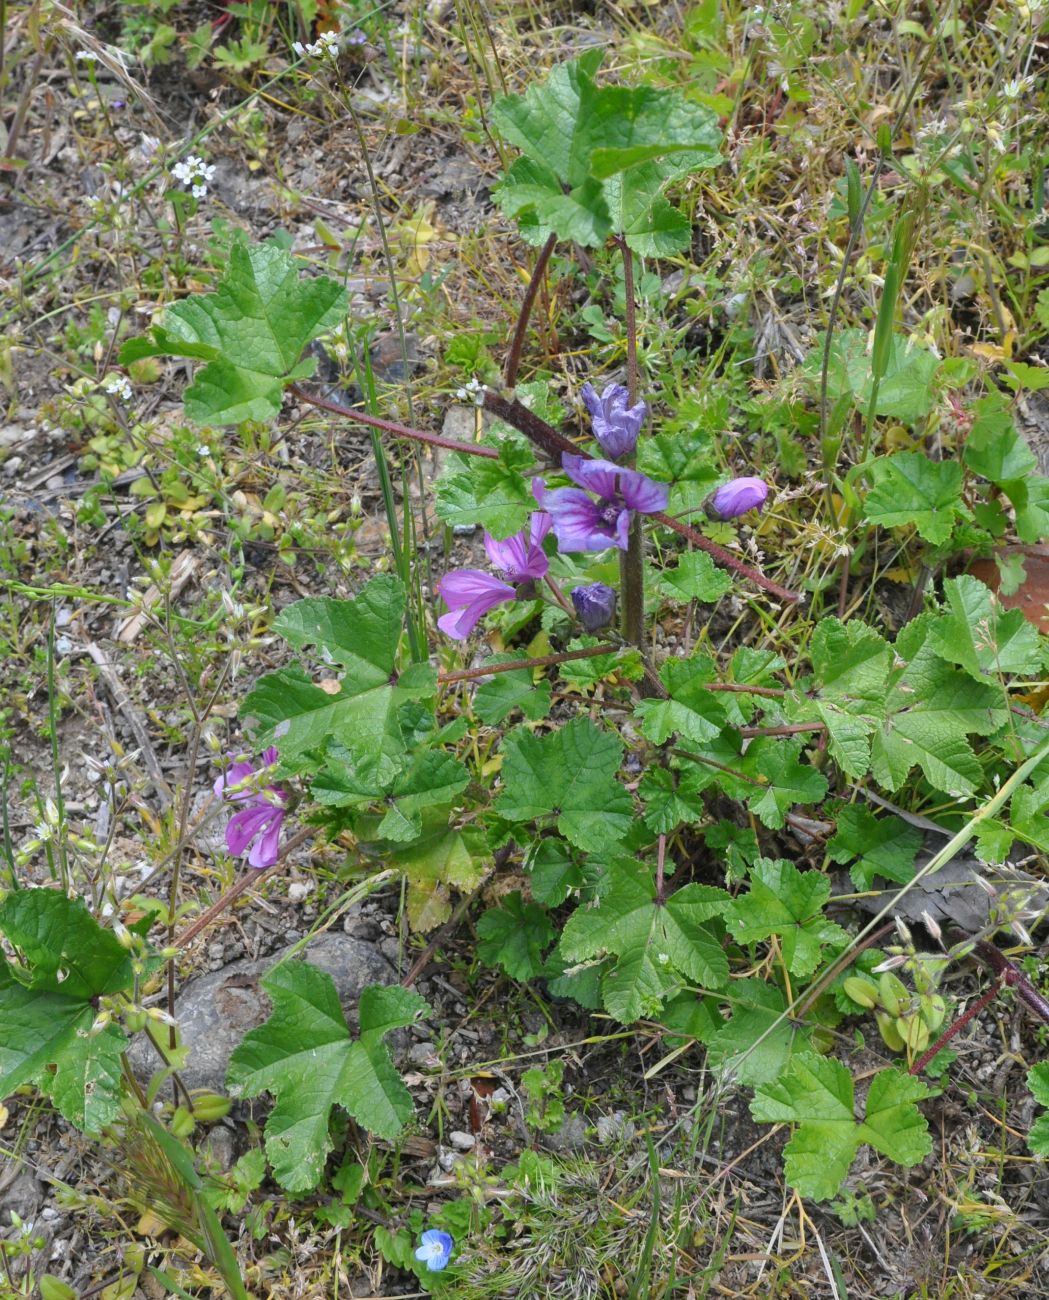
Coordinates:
[194,173]
[1015,87]
[299,49]
[86,56]
[119,386]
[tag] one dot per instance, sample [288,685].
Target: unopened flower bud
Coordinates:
[595,604]
[737,497]
[616,425]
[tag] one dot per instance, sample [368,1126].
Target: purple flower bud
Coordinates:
[595,604]
[616,426]
[737,497]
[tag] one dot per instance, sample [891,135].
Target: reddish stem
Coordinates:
[960,1023]
[390,426]
[512,665]
[788,729]
[513,357]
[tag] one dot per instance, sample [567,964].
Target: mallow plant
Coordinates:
[646,796]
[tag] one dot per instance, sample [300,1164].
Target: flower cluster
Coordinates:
[194,173]
[582,524]
[326,43]
[592,516]
[471,593]
[258,819]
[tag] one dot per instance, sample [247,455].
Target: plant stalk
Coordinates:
[513,357]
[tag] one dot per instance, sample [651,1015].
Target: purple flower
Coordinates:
[258,821]
[585,525]
[616,426]
[471,593]
[595,604]
[436,1249]
[737,497]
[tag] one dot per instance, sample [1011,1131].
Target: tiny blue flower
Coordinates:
[436,1250]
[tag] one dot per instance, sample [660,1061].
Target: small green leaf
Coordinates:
[789,903]
[305,1057]
[758,1043]
[568,774]
[554,871]
[495,700]
[672,797]
[251,331]
[993,448]
[779,779]
[695,577]
[496,494]
[816,1093]
[86,1084]
[876,846]
[514,937]
[692,711]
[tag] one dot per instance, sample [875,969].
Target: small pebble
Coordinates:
[298,889]
[463,530]
[461,1141]
[448,1160]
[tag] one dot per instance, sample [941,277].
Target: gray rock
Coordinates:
[24,1197]
[461,1141]
[571,1136]
[216,1010]
[614,1127]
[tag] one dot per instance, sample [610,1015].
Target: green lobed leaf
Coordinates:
[779,779]
[251,331]
[993,448]
[692,711]
[86,1084]
[757,1045]
[817,1094]
[930,709]
[496,494]
[1030,499]
[980,636]
[495,700]
[695,577]
[303,1055]
[431,779]
[568,774]
[911,489]
[514,937]
[789,903]
[671,797]
[58,934]
[907,388]
[876,846]
[555,873]
[36,1027]
[654,943]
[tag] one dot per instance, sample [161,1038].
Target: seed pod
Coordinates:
[210,1106]
[861,990]
[182,1123]
[892,993]
[889,1033]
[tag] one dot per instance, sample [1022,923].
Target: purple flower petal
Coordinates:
[642,493]
[266,849]
[245,825]
[469,595]
[737,497]
[595,604]
[582,524]
[616,425]
[521,557]
[597,476]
